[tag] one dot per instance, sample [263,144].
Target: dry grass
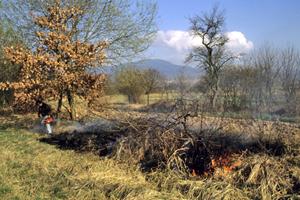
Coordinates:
[33,170]
[30,169]
[273,172]
[119,99]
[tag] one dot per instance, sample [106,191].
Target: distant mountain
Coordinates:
[166,68]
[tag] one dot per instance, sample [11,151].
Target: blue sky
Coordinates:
[250,23]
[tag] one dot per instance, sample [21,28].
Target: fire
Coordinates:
[194,173]
[223,165]
[220,166]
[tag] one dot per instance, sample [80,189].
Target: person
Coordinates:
[44,112]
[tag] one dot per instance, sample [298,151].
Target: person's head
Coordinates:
[39,101]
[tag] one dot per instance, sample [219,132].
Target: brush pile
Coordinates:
[159,144]
[214,162]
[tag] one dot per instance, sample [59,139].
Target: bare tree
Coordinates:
[230,84]
[182,83]
[248,85]
[266,62]
[211,56]
[166,87]
[239,85]
[152,81]
[290,72]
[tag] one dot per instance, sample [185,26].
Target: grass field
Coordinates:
[30,169]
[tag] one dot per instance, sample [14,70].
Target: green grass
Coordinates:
[30,169]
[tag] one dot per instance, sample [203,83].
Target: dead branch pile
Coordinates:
[168,142]
[154,143]
[226,165]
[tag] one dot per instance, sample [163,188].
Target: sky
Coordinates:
[249,25]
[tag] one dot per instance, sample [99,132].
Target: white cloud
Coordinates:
[238,43]
[180,40]
[183,41]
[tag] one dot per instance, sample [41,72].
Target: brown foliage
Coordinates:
[59,63]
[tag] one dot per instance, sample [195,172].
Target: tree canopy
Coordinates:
[127,25]
[58,65]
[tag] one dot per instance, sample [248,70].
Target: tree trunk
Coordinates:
[71,105]
[59,104]
[214,89]
[135,99]
[148,99]
[214,99]
[129,99]
[132,98]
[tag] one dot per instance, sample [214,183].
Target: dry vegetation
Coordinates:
[154,156]
[33,170]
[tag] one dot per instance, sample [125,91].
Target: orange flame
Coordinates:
[194,173]
[222,166]
[225,163]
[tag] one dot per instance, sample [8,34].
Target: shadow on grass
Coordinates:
[100,143]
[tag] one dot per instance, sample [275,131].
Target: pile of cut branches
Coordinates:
[154,143]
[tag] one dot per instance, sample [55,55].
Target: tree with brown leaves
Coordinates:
[58,65]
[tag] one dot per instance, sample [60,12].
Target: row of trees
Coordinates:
[269,79]
[264,80]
